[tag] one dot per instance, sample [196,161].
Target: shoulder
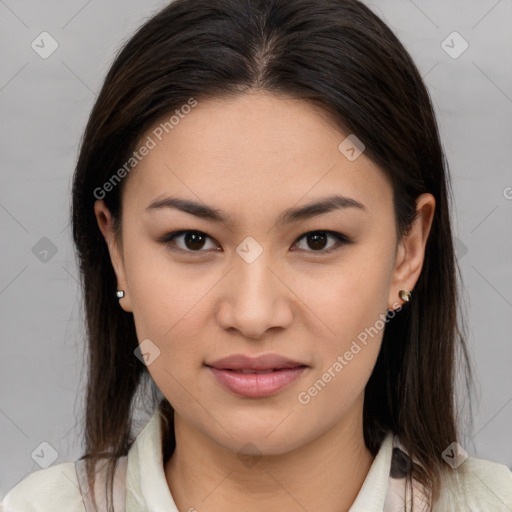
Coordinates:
[45,490]
[478,485]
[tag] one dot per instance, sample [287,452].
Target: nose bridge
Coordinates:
[252,302]
[251,273]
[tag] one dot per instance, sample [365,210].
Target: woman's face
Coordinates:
[252,283]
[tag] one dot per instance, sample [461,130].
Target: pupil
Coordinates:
[194,238]
[317,239]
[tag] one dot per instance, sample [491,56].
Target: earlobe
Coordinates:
[411,249]
[106,226]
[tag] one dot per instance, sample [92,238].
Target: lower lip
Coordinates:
[256,385]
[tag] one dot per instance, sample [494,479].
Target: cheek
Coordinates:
[163,293]
[351,296]
[351,302]
[170,300]
[173,305]
[354,310]
[167,304]
[169,308]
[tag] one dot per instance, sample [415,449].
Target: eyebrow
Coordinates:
[319,207]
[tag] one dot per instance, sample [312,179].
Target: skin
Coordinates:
[254,156]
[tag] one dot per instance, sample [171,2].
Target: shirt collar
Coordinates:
[372,494]
[146,485]
[147,489]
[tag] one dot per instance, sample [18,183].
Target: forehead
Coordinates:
[252,150]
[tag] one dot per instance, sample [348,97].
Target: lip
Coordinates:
[257,385]
[262,362]
[281,373]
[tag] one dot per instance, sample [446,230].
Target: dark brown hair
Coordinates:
[336,54]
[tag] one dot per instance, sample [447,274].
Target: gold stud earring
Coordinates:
[120,294]
[405,295]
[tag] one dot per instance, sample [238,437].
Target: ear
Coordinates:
[411,251]
[105,223]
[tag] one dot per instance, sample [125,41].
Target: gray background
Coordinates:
[44,104]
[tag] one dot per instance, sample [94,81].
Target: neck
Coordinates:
[323,474]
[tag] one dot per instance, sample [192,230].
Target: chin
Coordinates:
[247,441]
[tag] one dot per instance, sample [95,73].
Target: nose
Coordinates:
[254,298]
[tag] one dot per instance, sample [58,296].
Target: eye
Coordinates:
[194,241]
[317,240]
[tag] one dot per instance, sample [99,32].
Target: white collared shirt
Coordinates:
[141,486]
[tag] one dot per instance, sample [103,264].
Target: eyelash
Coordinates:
[168,240]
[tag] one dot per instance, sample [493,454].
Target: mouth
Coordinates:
[251,383]
[264,363]
[258,372]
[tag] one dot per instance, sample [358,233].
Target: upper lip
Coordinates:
[262,362]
